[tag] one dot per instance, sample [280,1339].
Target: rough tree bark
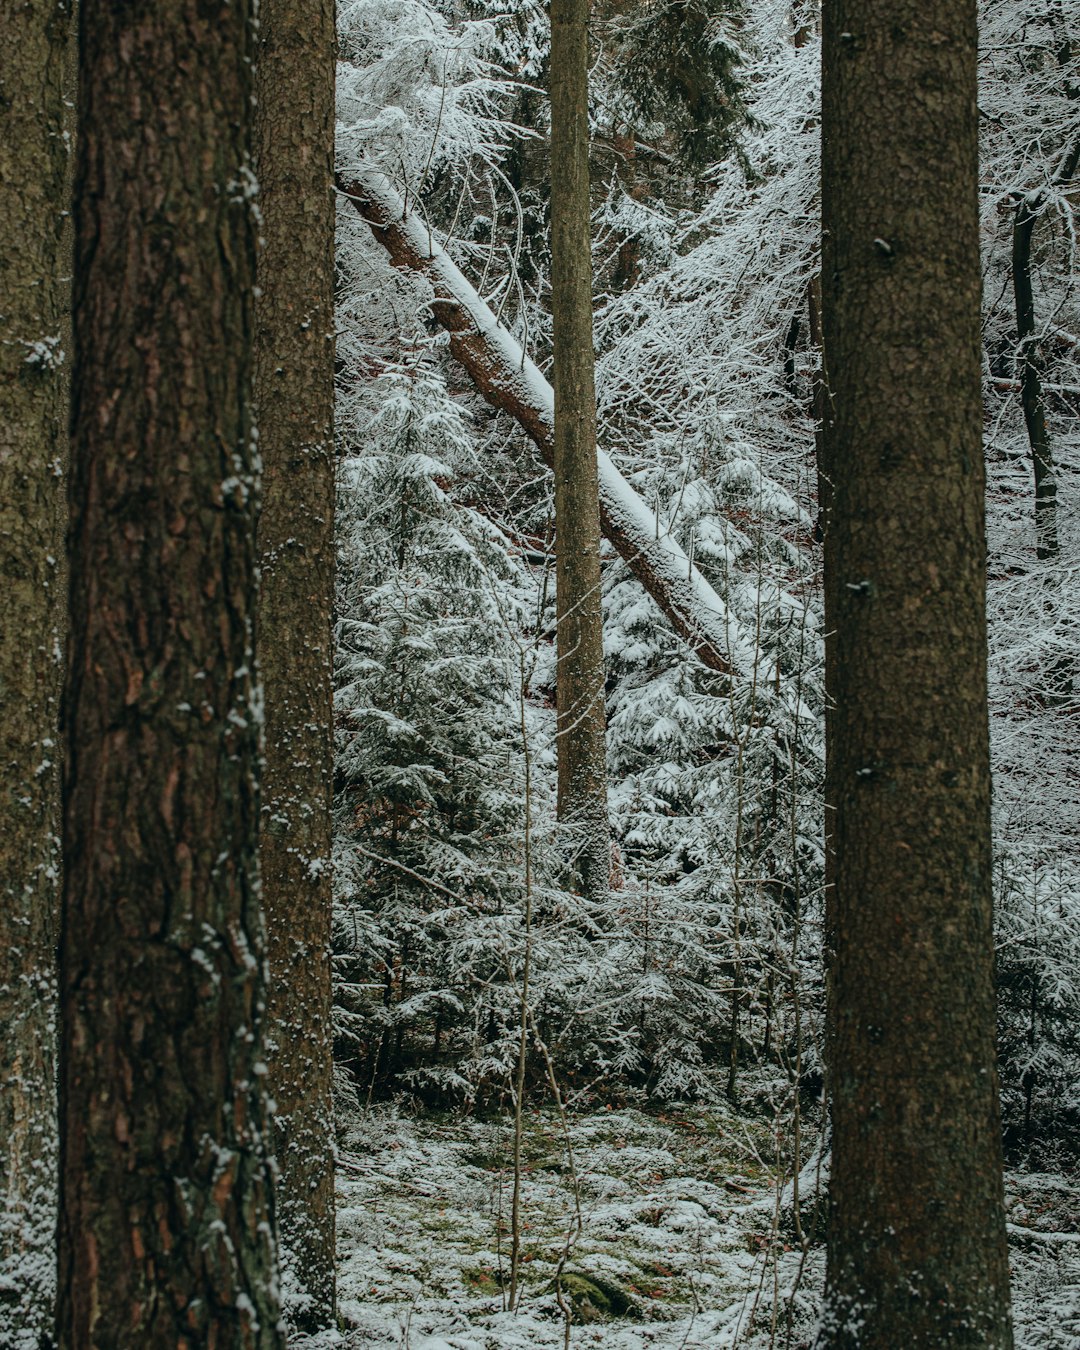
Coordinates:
[506,377]
[580,712]
[33,456]
[917,1253]
[166,1235]
[294,396]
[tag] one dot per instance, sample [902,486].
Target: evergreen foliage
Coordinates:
[674,71]
[705,381]
[429,856]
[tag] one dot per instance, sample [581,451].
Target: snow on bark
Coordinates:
[509,380]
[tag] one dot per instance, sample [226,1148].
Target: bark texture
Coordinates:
[580,712]
[33,455]
[294,396]
[166,1234]
[917,1253]
[694,610]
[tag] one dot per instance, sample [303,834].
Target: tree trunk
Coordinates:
[917,1253]
[1031,396]
[166,1233]
[33,458]
[581,721]
[1027,211]
[294,395]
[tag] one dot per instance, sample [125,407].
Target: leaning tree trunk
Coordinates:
[917,1253]
[509,380]
[582,772]
[33,456]
[166,1233]
[294,394]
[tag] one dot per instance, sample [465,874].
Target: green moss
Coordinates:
[488,1160]
[595,1298]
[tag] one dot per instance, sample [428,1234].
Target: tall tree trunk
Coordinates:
[166,1231]
[294,395]
[917,1253]
[33,456]
[1028,209]
[1031,397]
[581,720]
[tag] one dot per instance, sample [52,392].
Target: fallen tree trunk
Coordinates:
[511,382]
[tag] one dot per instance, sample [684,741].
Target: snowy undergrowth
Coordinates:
[682,1241]
[679,1244]
[1043,1210]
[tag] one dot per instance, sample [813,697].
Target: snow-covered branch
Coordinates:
[509,380]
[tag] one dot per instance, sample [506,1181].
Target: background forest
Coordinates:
[699,978]
[569,1110]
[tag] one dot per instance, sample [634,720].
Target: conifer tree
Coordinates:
[428,866]
[674,66]
[917,1250]
[166,1231]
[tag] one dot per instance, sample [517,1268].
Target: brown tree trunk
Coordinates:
[294,396]
[917,1253]
[1031,396]
[33,458]
[166,1235]
[581,720]
[1028,209]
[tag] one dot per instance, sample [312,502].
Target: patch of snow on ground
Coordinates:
[678,1225]
[679,1219]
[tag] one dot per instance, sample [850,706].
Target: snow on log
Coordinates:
[510,381]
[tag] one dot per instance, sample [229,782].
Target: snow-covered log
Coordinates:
[511,381]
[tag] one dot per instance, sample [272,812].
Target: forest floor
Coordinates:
[685,1239]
